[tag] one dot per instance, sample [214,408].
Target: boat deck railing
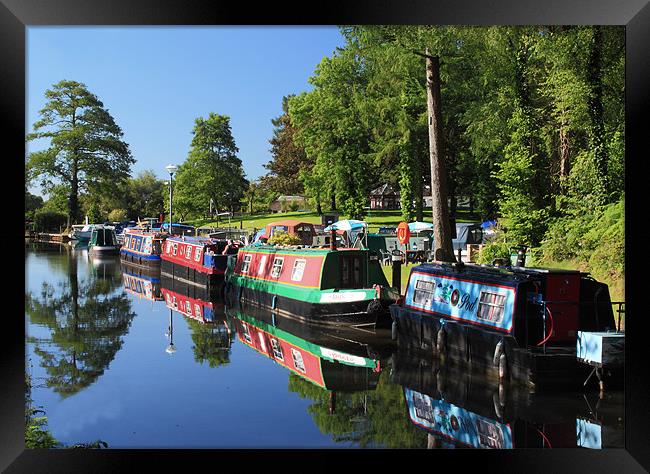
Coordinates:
[620,310]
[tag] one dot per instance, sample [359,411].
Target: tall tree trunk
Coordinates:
[439,207]
[565,165]
[73,201]
[333,198]
[597,133]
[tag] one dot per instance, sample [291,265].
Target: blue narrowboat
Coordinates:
[142,247]
[518,323]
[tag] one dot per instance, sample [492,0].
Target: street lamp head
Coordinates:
[171,168]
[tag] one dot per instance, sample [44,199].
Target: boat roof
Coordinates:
[488,273]
[295,248]
[192,240]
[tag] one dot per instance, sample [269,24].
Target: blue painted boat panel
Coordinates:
[489,305]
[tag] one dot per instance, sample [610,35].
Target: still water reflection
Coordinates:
[124,356]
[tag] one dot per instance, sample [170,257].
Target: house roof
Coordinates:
[384,190]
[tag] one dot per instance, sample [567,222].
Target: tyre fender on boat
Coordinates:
[500,359]
[441,340]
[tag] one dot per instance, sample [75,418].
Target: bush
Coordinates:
[117,215]
[282,238]
[49,221]
[494,250]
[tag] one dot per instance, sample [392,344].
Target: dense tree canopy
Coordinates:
[86,151]
[212,170]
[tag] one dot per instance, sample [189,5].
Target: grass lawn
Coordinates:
[375,219]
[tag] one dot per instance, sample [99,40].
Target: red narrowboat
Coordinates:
[196,260]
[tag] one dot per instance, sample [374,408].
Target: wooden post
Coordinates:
[441,232]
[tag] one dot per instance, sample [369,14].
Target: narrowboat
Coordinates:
[319,285]
[196,260]
[81,232]
[303,230]
[517,323]
[472,411]
[103,241]
[142,247]
[141,284]
[341,365]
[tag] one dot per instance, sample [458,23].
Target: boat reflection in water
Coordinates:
[141,282]
[211,334]
[459,409]
[332,359]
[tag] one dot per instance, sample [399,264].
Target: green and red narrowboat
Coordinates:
[341,365]
[517,323]
[318,285]
[195,260]
[142,247]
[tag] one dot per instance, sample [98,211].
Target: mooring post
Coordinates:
[396,259]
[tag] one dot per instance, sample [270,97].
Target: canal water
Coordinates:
[138,362]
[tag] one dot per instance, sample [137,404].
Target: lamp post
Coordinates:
[170,334]
[171,169]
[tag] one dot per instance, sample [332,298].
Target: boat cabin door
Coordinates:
[351,271]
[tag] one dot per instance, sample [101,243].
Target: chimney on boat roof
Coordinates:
[332,239]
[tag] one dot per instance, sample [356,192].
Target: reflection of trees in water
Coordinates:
[87,321]
[212,342]
[372,418]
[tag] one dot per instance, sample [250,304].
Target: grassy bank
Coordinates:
[375,219]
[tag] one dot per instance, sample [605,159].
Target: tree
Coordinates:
[289,159]
[87,321]
[86,150]
[212,169]
[145,196]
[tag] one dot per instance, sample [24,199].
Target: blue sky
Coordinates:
[156,80]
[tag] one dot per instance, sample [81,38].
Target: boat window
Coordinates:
[279,228]
[298,363]
[175,248]
[197,310]
[246,263]
[489,434]
[298,269]
[188,307]
[277,267]
[188,252]
[138,245]
[197,254]
[423,292]
[127,241]
[169,247]
[262,266]
[277,350]
[491,307]
[351,271]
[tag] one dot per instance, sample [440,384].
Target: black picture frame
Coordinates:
[17,15]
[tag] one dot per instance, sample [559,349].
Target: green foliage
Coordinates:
[145,196]
[94,214]
[32,204]
[595,240]
[494,250]
[283,238]
[212,170]
[85,151]
[37,436]
[48,221]
[117,215]
[289,159]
